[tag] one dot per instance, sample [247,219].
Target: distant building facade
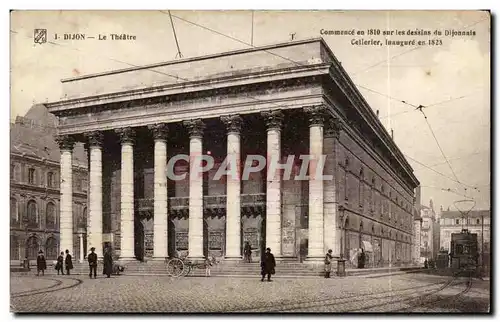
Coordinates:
[428,215]
[34,189]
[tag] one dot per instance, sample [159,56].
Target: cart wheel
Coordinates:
[176,267]
[169,268]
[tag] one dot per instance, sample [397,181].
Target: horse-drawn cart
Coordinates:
[182,266]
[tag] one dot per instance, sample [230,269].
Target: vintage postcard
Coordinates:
[250,161]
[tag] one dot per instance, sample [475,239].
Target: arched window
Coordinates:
[50,179]
[50,214]
[14,211]
[84,215]
[32,214]
[14,248]
[51,248]
[32,247]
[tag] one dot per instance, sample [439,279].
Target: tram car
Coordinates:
[464,250]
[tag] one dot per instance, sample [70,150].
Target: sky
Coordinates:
[447,143]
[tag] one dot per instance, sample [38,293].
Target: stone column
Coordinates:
[80,236]
[332,225]
[160,229]
[233,188]
[95,193]
[195,234]
[66,145]
[127,194]
[316,250]
[274,120]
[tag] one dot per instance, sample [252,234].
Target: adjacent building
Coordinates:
[35,188]
[427,247]
[276,101]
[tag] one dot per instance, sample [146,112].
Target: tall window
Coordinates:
[346,191]
[31,176]
[14,211]
[14,248]
[32,247]
[50,214]
[361,187]
[50,180]
[32,214]
[457,221]
[478,221]
[12,171]
[51,248]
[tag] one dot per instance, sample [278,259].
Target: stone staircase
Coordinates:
[237,269]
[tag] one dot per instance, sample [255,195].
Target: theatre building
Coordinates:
[277,101]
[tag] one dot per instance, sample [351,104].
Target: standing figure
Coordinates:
[267,265]
[59,265]
[68,262]
[108,263]
[208,263]
[328,263]
[92,258]
[247,252]
[41,263]
[362,259]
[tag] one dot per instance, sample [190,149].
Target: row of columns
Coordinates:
[274,121]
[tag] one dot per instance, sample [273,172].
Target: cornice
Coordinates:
[189,86]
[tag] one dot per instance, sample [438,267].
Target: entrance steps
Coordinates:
[239,268]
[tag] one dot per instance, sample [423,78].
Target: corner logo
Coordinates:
[40,36]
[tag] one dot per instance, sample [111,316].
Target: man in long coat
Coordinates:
[108,263]
[92,258]
[68,262]
[41,263]
[267,265]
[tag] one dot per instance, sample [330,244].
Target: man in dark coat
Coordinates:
[362,259]
[92,258]
[41,263]
[108,263]
[267,265]
[247,251]
[59,265]
[68,262]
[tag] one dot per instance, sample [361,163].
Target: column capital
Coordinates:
[274,119]
[195,127]
[95,139]
[333,126]
[159,130]
[232,122]
[65,142]
[317,114]
[126,135]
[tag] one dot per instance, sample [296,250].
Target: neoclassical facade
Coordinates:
[279,101]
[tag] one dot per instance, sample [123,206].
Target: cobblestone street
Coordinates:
[217,294]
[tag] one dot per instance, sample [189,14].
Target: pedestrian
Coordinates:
[328,263]
[108,263]
[59,265]
[68,262]
[361,259]
[208,263]
[92,258]
[247,252]
[41,263]
[267,265]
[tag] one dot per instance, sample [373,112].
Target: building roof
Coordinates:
[34,135]
[471,214]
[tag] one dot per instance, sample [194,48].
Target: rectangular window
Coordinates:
[457,221]
[50,179]
[31,176]
[12,171]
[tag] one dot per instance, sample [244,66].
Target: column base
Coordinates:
[128,259]
[158,259]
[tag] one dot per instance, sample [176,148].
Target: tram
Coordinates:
[464,250]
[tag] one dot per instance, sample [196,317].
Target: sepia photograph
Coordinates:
[250,161]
